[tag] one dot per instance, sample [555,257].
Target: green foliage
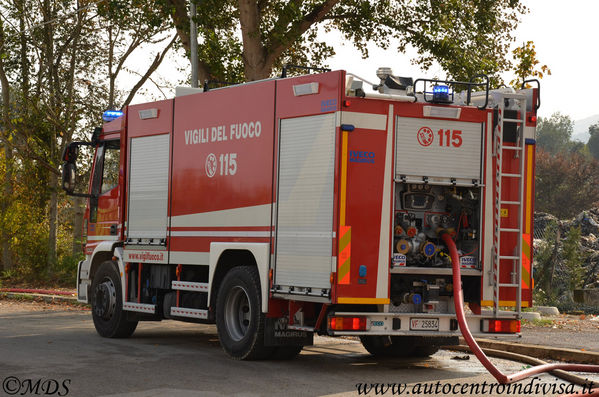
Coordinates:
[573,259]
[464,37]
[558,266]
[593,143]
[565,183]
[545,257]
[526,64]
[554,133]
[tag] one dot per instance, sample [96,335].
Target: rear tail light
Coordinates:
[347,323]
[500,326]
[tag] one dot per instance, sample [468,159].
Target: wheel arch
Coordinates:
[103,252]
[225,256]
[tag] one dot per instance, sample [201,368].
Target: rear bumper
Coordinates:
[401,324]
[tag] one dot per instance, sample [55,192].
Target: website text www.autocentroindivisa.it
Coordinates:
[531,387]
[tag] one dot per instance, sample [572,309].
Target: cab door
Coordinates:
[103,211]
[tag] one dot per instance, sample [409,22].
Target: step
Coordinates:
[504,229]
[189,286]
[508,285]
[510,202]
[511,148]
[300,328]
[189,312]
[513,121]
[139,307]
[511,175]
[508,257]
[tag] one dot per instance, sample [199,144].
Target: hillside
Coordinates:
[581,128]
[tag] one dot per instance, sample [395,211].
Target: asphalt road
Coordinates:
[179,359]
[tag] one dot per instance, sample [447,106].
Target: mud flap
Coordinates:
[276,333]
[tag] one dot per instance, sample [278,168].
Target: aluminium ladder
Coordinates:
[500,151]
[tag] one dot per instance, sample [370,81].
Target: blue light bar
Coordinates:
[441,89]
[441,94]
[110,115]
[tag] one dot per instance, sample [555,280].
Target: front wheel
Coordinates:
[107,304]
[239,318]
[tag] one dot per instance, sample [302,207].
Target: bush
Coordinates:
[566,183]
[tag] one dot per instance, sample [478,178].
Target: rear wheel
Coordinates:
[107,304]
[239,317]
[384,346]
[286,352]
[425,351]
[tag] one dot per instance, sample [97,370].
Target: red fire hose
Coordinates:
[458,298]
[36,291]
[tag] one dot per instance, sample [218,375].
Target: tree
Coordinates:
[50,55]
[573,259]
[554,133]
[566,183]
[249,39]
[128,26]
[593,143]
[526,64]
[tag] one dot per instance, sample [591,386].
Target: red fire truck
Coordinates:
[314,204]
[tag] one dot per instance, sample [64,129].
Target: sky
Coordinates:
[566,40]
[565,34]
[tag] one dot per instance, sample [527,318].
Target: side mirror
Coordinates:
[69,176]
[70,153]
[69,168]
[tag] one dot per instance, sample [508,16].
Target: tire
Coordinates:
[383,346]
[239,318]
[425,351]
[286,352]
[107,304]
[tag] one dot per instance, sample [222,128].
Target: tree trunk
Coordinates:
[7,255]
[53,215]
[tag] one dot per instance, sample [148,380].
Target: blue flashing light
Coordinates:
[110,115]
[441,93]
[440,89]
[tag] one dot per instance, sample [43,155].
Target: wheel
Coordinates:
[404,346]
[239,318]
[384,346]
[286,352]
[107,304]
[425,351]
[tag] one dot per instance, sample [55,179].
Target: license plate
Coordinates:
[424,324]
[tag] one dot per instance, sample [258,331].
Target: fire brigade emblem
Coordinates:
[425,136]
[211,165]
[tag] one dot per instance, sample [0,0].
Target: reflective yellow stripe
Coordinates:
[529,171]
[373,301]
[526,260]
[343,178]
[503,303]
[344,255]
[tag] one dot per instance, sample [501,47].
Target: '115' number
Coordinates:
[452,137]
[228,163]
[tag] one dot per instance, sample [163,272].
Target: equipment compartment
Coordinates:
[421,211]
